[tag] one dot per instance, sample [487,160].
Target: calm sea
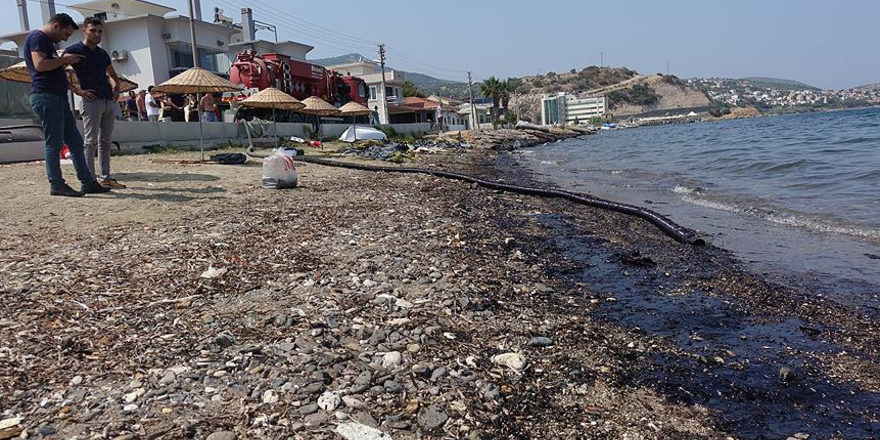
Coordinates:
[795,196]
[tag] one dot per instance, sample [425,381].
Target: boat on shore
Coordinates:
[21,143]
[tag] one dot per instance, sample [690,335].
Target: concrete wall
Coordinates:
[148,133]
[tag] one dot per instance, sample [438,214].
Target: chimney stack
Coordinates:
[23,15]
[197,9]
[248,32]
[47,9]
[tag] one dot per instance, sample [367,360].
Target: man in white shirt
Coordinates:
[152,105]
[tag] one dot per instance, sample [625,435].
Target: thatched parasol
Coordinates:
[197,80]
[354,110]
[276,100]
[318,107]
[18,73]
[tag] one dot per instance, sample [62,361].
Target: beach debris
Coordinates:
[213,272]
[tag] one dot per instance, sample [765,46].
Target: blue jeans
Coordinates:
[209,116]
[59,128]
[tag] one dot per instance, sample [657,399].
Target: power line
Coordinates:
[83,9]
[345,41]
[311,31]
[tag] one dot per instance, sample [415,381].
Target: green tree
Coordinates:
[410,89]
[493,88]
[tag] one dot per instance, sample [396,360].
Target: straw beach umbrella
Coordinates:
[197,80]
[354,110]
[318,107]
[18,73]
[276,100]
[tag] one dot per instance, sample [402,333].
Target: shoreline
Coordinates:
[430,308]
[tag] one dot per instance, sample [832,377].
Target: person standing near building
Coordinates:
[49,103]
[131,107]
[208,108]
[142,105]
[99,89]
[152,105]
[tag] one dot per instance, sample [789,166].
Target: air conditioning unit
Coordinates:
[119,55]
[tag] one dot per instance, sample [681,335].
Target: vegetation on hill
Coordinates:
[777,83]
[588,78]
[639,94]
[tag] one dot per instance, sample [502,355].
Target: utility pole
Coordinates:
[383,112]
[667,68]
[474,118]
[601,59]
[192,33]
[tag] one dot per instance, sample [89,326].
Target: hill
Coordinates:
[777,83]
[429,85]
[628,92]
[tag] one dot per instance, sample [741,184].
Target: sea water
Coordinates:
[796,197]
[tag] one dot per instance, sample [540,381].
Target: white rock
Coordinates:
[213,272]
[403,303]
[9,423]
[397,322]
[76,380]
[270,396]
[357,431]
[514,361]
[130,407]
[329,401]
[392,359]
[353,402]
[132,396]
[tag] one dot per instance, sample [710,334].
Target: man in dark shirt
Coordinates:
[49,103]
[99,89]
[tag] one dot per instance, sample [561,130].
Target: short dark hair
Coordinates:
[64,20]
[94,21]
[150,89]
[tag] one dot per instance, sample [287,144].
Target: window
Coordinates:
[389,91]
[373,93]
[362,90]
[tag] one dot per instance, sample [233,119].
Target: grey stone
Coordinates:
[308,409]
[439,373]
[432,417]
[168,378]
[392,386]
[223,341]
[541,341]
[364,378]
[392,359]
[316,419]
[222,435]
[47,430]
[514,361]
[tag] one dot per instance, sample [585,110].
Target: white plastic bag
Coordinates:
[279,172]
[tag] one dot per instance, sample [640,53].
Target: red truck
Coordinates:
[300,79]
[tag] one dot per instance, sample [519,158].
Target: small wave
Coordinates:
[681,189]
[550,162]
[712,204]
[786,219]
[616,172]
[817,226]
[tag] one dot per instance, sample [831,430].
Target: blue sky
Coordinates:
[823,43]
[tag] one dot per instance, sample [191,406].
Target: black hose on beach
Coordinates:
[670,228]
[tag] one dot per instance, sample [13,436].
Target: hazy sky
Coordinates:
[823,43]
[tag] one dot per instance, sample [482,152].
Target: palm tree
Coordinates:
[492,88]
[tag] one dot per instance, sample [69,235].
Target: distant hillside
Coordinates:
[779,84]
[628,92]
[427,84]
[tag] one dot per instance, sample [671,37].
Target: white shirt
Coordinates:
[151,111]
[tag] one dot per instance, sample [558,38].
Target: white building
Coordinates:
[149,44]
[565,109]
[371,73]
